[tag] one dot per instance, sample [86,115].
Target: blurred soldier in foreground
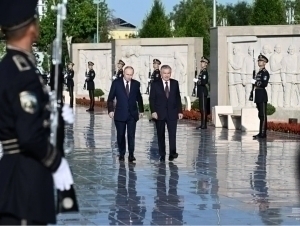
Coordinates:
[261,97]
[202,92]
[30,164]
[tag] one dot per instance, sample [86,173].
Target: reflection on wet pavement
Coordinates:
[221,177]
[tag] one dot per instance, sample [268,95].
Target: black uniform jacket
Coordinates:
[262,80]
[202,82]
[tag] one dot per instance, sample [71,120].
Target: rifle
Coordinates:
[195,83]
[149,77]
[66,200]
[253,76]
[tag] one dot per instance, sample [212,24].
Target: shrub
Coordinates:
[99,93]
[270,109]
[195,105]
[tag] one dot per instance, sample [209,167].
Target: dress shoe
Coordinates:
[199,127]
[203,127]
[131,158]
[162,158]
[173,156]
[260,136]
[121,158]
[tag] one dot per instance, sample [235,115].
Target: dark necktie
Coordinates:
[127,88]
[167,91]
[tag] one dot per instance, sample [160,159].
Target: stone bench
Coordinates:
[247,120]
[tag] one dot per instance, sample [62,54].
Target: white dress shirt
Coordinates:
[125,83]
[164,83]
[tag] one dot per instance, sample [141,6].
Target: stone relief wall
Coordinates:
[102,67]
[141,58]
[284,68]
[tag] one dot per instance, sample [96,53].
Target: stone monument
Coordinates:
[232,56]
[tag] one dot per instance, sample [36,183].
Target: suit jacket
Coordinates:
[166,108]
[125,105]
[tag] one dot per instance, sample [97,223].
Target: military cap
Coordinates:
[71,63]
[204,59]
[121,62]
[263,58]
[16,14]
[90,63]
[156,61]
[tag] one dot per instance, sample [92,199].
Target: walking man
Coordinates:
[166,108]
[127,92]
[261,97]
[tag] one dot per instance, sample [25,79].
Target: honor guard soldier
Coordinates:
[202,91]
[261,97]
[120,66]
[90,85]
[30,164]
[156,73]
[70,82]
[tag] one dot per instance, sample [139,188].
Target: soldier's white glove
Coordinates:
[67,114]
[253,81]
[195,80]
[149,79]
[114,77]
[62,177]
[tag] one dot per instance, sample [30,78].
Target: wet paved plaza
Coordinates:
[221,177]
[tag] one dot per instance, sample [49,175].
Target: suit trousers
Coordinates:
[202,108]
[262,115]
[130,123]
[172,129]
[92,98]
[71,94]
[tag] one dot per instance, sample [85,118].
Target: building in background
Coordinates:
[121,29]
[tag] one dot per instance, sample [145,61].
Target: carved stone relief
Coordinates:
[102,67]
[141,58]
[284,68]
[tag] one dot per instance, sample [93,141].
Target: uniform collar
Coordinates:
[30,55]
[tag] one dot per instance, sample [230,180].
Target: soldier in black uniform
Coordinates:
[30,164]
[90,85]
[120,66]
[202,92]
[156,73]
[70,82]
[261,97]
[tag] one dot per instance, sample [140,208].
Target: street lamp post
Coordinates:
[214,13]
[97,3]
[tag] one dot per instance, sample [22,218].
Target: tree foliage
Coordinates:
[239,14]
[271,12]
[80,24]
[192,20]
[2,49]
[46,63]
[156,24]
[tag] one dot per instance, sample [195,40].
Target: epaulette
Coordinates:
[21,63]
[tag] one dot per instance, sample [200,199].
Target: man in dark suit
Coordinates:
[127,93]
[166,108]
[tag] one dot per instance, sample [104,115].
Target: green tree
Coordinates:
[45,63]
[296,7]
[156,24]
[192,20]
[239,14]
[2,49]
[79,26]
[271,12]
